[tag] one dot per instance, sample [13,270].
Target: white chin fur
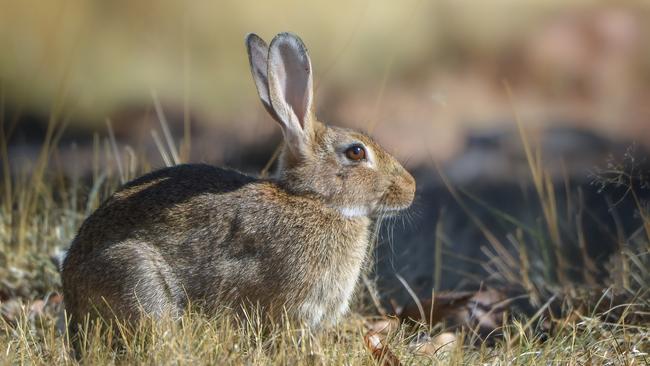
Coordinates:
[354,211]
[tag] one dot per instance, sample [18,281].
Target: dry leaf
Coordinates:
[36,309]
[430,346]
[384,326]
[485,311]
[379,350]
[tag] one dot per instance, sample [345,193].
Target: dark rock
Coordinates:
[493,181]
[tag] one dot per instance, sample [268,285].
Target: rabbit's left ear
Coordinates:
[291,88]
[258,53]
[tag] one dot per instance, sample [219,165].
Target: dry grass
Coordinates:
[42,210]
[195,339]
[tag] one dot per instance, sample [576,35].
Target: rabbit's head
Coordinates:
[344,168]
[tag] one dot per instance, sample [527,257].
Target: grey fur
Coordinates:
[214,237]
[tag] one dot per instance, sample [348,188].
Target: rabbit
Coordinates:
[200,235]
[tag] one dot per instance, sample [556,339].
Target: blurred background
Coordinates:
[421,73]
[448,86]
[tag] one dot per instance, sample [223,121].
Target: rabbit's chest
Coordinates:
[335,280]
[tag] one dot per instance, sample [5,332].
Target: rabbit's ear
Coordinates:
[290,88]
[258,53]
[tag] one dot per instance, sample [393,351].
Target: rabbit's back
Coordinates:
[146,205]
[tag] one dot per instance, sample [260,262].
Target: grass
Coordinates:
[42,209]
[195,339]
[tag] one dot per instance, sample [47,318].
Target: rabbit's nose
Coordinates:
[406,182]
[408,178]
[409,183]
[404,176]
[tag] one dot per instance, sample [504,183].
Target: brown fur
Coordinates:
[215,237]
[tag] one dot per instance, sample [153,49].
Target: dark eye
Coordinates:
[356,153]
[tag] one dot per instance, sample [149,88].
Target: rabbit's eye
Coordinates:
[356,153]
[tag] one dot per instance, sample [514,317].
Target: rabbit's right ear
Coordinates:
[258,53]
[290,90]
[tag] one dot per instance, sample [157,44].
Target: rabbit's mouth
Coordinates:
[390,211]
[381,211]
[354,211]
[351,212]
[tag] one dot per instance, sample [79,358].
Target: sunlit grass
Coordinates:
[33,229]
[43,208]
[228,339]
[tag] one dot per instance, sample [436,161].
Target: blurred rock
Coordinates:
[492,178]
[497,155]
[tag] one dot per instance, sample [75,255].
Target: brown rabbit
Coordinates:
[215,237]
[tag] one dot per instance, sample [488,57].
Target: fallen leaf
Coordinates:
[484,312]
[54,298]
[36,309]
[430,346]
[384,326]
[379,350]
